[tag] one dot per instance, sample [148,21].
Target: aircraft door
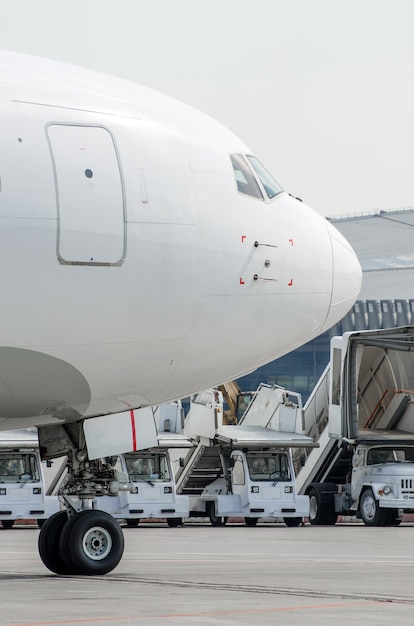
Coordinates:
[89,192]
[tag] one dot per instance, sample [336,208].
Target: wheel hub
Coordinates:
[97,543]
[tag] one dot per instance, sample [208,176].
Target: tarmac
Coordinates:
[232,575]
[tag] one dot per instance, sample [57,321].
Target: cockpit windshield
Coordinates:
[246,182]
[252,177]
[271,187]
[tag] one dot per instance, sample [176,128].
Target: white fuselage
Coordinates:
[127,253]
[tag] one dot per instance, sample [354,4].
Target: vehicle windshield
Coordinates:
[273,466]
[398,454]
[147,467]
[17,467]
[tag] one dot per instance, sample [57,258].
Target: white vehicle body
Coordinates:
[22,484]
[251,460]
[266,492]
[152,492]
[143,235]
[364,465]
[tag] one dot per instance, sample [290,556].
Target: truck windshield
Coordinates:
[147,467]
[398,454]
[273,466]
[18,467]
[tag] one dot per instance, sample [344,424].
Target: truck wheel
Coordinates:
[7,523]
[292,522]
[214,519]
[392,518]
[371,513]
[321,514]
[132,523]
[174,522]
[251,521]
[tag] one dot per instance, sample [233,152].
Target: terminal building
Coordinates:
[384,243]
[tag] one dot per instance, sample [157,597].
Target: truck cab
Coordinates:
[22,484]
[257,484]
[382,482]
[153,493]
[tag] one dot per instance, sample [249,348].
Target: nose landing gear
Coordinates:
[90,543]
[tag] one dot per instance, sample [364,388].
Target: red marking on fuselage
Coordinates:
[134,432]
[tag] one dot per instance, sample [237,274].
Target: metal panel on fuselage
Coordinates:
[91,226]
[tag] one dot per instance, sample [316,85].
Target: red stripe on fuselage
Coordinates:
[134,432]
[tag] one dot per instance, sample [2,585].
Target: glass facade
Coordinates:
[301,369]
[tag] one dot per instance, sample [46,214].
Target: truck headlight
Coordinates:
[385,491]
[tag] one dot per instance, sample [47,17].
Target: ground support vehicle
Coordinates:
[141,484]
[149,491]
[244,470]
[22,484]
[362,415]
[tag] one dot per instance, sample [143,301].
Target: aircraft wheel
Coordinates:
[49,540]
[292,522]
[371,513]
[7,523]
[92,543]
[251,521]
[132,523]
[174,522]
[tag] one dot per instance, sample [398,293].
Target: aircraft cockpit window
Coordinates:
[271,187]
[246,182]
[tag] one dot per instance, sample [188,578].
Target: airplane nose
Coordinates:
[347,278]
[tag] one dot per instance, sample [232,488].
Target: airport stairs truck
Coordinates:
[140,485]
[22,483]
[361,413]
[244,470]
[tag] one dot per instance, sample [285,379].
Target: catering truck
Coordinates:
[22,484]
[361,413]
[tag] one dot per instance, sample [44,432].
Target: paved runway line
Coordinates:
[125,618]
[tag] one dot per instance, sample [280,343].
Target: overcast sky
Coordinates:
[322,91]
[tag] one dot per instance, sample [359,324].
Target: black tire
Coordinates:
[370,511]
[49,542]
[92,543]
[392,518]
[321,514]
[292,522]
[251,521]
[132,523]
[174,522]
[7,523]
[214,519]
